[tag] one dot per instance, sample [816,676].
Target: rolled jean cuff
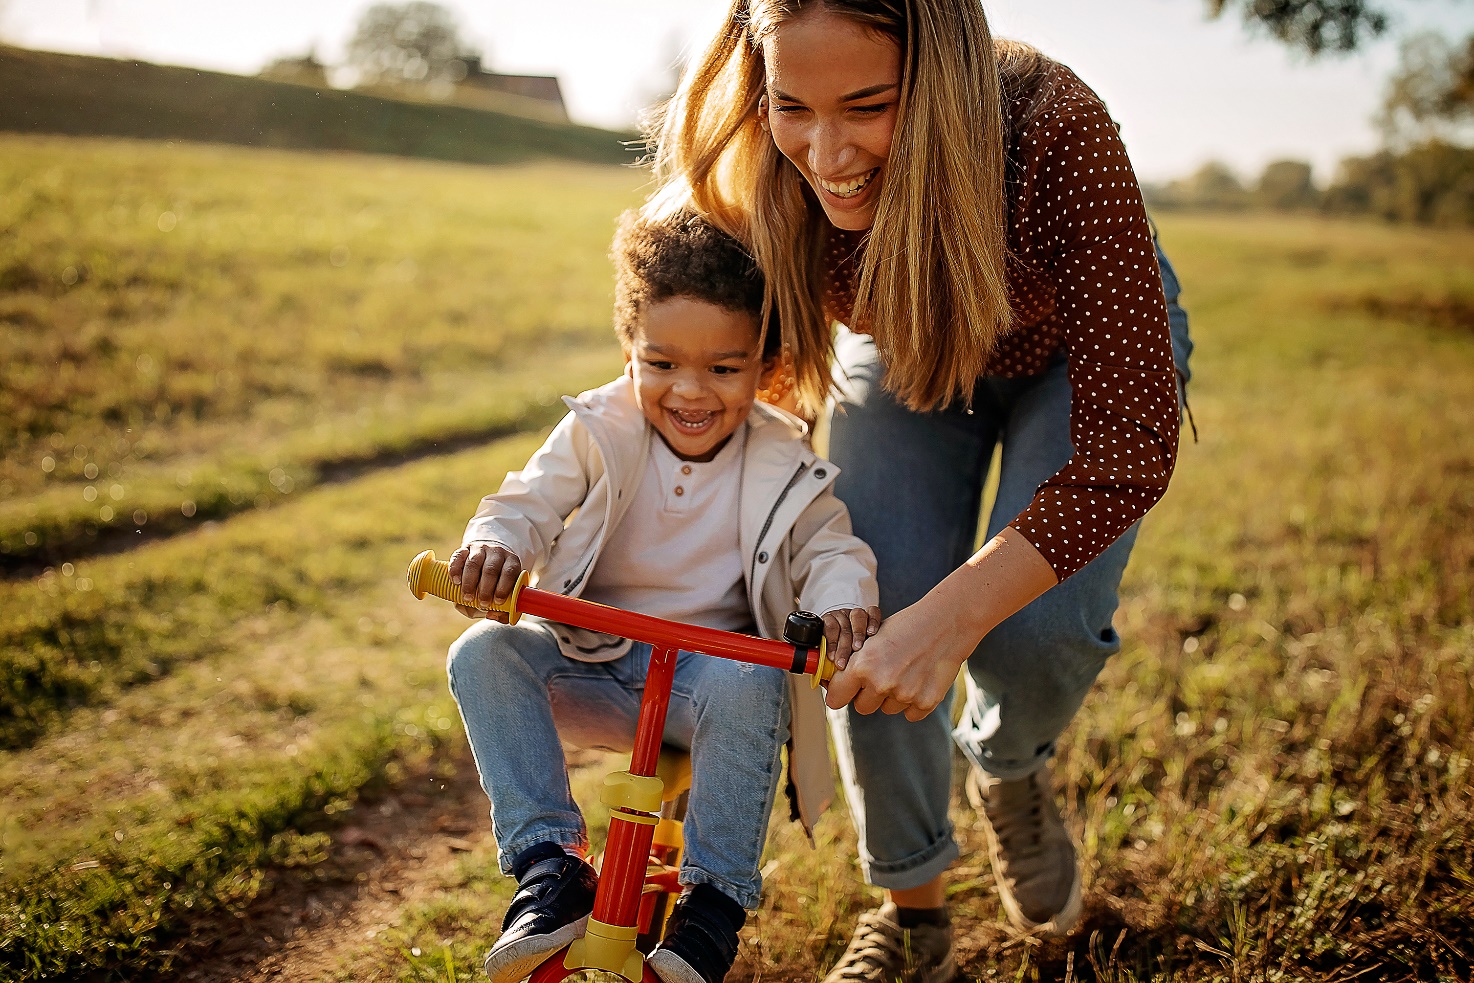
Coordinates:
[747,897]
[568,839]
[916,870]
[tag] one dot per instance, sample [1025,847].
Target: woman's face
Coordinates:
[833,89]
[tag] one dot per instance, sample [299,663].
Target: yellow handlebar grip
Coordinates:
[826,668]
[428,575]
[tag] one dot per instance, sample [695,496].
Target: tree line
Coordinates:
[1423,173]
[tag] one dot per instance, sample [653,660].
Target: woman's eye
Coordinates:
[786,110]
[870,110]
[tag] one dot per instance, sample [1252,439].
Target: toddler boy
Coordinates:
[670,492]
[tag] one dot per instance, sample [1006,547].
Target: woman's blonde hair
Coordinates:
[933,288]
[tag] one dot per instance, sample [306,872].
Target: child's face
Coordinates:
[696,368]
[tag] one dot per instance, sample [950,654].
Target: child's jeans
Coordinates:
[519,694]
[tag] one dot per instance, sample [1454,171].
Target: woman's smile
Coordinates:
[849,188]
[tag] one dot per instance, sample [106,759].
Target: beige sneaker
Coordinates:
[1034,857]
[881,951]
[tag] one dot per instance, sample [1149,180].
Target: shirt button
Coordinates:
[762,558]
[821,473]
[680,490]
[686,469]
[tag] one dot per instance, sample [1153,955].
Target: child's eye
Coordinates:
[660,363]
[725,369]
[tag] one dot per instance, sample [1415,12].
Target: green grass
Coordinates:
[1274,775]
[78,95]
[299,316]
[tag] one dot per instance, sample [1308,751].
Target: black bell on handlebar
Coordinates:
[803,630]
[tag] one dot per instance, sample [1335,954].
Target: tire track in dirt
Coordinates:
[316,924]
[311,922]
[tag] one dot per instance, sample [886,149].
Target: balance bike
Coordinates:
[637,883]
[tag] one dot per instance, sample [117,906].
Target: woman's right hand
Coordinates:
[486,572]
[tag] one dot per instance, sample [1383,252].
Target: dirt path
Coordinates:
[308,926]
[395,851]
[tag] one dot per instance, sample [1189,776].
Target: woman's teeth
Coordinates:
[848,189]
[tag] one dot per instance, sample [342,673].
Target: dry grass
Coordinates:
[1273,776]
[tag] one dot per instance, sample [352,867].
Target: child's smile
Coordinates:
[696,368]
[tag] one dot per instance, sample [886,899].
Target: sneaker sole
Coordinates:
[515,962]
[671,968]
[1058,926]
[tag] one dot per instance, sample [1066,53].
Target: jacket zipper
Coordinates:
[757,547]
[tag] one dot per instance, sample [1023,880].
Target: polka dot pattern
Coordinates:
[1083,281]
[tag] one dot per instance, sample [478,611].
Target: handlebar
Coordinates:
[428,575]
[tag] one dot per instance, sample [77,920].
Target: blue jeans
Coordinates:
[913,483]
[518,695]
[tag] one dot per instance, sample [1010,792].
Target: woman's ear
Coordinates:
[762,111]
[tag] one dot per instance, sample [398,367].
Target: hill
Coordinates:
[76,95]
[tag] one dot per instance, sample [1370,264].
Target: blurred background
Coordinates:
[285,288]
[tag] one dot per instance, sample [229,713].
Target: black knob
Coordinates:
[803,630]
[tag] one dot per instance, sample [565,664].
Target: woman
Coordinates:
[967,209]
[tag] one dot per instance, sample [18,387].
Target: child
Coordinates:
[669,492]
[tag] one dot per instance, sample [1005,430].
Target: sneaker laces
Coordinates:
[1016,812]
[877,948]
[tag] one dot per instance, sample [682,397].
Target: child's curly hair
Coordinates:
[684,256]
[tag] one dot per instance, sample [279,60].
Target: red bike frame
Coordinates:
[634,796]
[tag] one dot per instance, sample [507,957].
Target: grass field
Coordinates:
[333,357]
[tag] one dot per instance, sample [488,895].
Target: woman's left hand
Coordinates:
[907,667]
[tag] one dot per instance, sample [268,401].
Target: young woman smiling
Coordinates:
[967,209]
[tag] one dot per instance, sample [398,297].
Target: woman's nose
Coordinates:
[830,151]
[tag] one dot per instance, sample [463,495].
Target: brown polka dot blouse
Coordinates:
[1083,282]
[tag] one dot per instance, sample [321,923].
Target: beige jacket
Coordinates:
[557,512]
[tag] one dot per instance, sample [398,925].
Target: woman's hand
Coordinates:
[845,629]
[487,572]
[909,666]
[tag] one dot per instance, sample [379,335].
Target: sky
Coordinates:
[1185,89]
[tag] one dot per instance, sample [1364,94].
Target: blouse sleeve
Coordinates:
[1083,207]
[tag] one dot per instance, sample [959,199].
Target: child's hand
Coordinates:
[846,630]
[486,572]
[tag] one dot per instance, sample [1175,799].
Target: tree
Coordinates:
[1432,91]
[1313,25]
[1286,184]
[414,45]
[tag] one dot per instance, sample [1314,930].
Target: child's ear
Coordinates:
[629,363]
[771,365]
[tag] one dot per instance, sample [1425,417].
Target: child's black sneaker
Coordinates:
[555,894]
[700,939]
